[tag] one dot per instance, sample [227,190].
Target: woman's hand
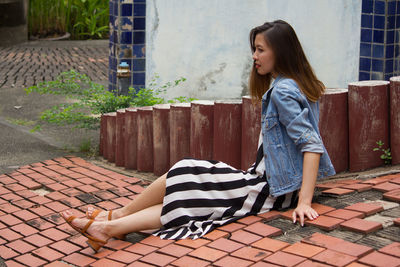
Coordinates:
[302,211]
[310,171]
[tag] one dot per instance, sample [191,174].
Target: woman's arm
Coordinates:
[310,172]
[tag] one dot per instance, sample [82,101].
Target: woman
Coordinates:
[196,196]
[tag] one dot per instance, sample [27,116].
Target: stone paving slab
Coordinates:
[27,64]
[33,234]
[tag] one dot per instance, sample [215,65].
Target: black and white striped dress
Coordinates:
[204,194]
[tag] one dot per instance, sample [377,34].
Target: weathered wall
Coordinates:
[206,41]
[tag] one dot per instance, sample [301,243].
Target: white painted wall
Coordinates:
[206,41]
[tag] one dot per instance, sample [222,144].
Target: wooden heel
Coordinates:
[94,245]
[120,237]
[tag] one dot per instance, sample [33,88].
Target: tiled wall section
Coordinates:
[380,37]
[127,40]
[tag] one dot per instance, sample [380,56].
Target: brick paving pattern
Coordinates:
[346,234]
[23,66]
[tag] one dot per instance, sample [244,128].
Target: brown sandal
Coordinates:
[93,242]
[96,212]
[94,215]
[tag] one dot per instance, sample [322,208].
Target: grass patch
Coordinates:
[21,122]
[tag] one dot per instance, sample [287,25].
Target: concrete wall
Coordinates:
[206,41]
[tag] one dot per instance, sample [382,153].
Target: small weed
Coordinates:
[90,99]
[386,155]
[36,128]
[88,148]
[21,122]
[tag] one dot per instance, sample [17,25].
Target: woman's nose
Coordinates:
[254,56]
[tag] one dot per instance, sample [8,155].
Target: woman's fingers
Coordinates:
[309,213]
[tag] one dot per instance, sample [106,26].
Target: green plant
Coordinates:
[91,18]
[386,155]
[87,147]
[21,122]
[47,17]
[81,18]
[88,100]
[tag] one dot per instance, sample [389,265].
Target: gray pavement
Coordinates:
[26,64]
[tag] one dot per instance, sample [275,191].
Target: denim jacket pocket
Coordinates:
[272,133]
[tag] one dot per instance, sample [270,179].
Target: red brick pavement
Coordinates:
[32,233]
[26,65]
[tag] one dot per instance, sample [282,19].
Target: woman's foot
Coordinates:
[93,230]
[102,215]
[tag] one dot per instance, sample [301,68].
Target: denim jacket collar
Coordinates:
[276,80]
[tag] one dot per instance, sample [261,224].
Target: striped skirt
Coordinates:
[202,195]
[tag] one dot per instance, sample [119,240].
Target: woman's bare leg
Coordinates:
[146,219]
[151,196]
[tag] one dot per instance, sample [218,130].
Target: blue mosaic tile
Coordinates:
[115,9]
[110,77]
[139,37]
[391,22]
[397,50]
[126,38]
[389,66]
[388,76]
[377,65]
[389,51]
[138,50]
[379,36]
[111,21]
[111,37]
[392,7]
[115,35]
[378,51]
[139,10]
[366,21]
[379,22]
[367,6]
[377,76]
[114,77]
[139,78]
[398,8]
[126,23]
[140,1]
[126,9]
[112,63]
[111,7]
[397,36]
[379,7]
[124,51]
[398,20]
[139,64]
[364,76]
[389,37]
[365,50]
[366,35]
[365,64]
[139,23]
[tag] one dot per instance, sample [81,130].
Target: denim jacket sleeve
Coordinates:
[294,113]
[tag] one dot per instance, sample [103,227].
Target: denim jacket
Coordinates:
[289,125]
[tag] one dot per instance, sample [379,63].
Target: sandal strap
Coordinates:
[94,214]
[87,226]
[70,219]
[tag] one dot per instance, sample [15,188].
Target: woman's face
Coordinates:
[263,56]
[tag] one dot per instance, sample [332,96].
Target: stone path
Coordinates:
[358,224]
[27,64]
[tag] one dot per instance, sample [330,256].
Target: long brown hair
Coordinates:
[290,61]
